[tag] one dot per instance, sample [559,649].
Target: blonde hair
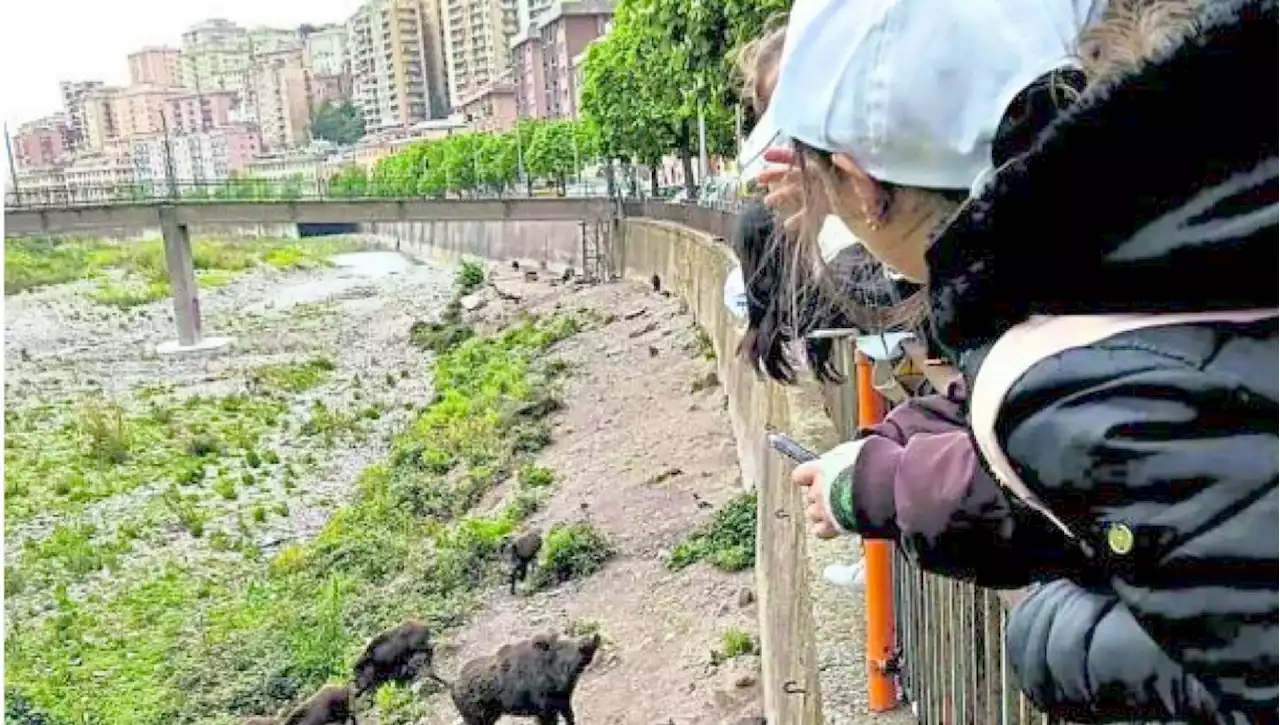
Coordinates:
[1131,31]
[757,60]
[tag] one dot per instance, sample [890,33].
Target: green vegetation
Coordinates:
[471,276]
[62,457]
[728,541]
[664,64]
[534,476]
[293,377]
[186,641]
[38,262]
[734,642]
[571,551]
[340,123]
[476,163]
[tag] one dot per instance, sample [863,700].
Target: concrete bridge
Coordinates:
[21,221]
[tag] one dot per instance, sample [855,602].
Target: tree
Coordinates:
[341,124]
[553,152]
[351,182]
[665,63]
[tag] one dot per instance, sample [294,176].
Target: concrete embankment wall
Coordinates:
[693,266]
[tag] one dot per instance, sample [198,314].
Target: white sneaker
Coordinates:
[846,575]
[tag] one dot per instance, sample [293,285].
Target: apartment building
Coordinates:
[543,67]
[97,179]
[325,49]
[263,39]
[41,185]
[395,62]
[100,126]
[73,101]
[215,56]
[281,97]
[477,36]
[529,11]
[493,108]
[42,143]
[202,157]
[156,67]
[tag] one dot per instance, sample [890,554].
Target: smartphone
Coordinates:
[783,444]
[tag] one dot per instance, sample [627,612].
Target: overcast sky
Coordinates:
[43,42]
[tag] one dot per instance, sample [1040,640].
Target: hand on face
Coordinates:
[809,476]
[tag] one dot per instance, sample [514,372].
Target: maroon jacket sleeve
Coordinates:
[918,478]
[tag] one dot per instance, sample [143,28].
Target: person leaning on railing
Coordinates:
[1109,296]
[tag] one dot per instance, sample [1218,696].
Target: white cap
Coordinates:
[764,136]
[914,90]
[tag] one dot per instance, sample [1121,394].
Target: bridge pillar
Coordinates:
[182,281]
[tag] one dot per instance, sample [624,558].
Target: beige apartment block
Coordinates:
[281,92]
[395,63]
[493,108]
[156,66]
[477,36]
[325,49]
[543,56]
[73,106]
[215,56]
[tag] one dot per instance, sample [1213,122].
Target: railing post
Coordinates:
[878,555]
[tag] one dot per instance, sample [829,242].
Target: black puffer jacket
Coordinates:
[1155,194]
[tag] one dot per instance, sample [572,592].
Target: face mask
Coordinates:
[735,294]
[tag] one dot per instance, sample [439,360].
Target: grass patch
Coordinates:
[471,276]
[734,642]
[293,377]
[130,293]
[39,262]
[534,476]
[571,551]
[235,636]
[727,541]
[701,345]
[60,458]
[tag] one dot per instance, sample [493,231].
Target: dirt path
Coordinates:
[632,416]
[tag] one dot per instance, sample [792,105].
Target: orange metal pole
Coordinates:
[882,690]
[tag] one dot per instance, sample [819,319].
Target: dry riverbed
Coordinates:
[194,539]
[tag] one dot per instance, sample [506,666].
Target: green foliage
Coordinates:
[471,276]
[728,541]
[664,63]
[736,642]
[571,551]
[32,263]
[535,476]
[293,377]
[341,124]
[209,643]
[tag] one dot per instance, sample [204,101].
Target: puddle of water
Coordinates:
[350,270]
[371,264]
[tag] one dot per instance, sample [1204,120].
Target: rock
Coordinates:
[634,314]
[744,681]
[746,597]
[531,275]
[644,330]
[472,302]
[653,351]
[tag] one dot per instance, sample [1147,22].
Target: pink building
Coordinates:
[492,108]
[42,143]
[542,57]
[156,66]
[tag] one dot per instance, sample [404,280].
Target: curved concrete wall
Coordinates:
[693,265]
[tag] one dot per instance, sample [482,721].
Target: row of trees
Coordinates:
[666,63]
[479,163]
